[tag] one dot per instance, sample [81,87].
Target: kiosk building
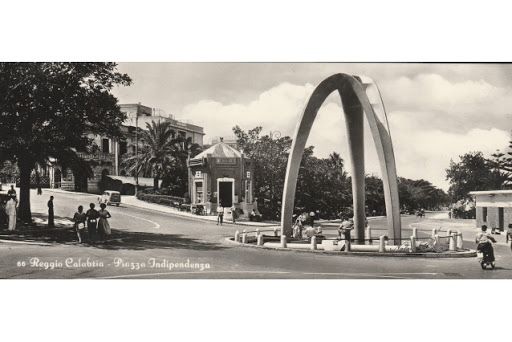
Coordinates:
[221,176]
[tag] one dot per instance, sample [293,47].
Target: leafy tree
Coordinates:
[501,168]
[322,183]
[417,194]
[375,195]
[47,110]
[473,173]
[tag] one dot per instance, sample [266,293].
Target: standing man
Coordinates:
[10,209]
[51,222]
[220,215]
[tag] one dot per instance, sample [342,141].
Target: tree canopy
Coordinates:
[47,111]
[163,156]
[474,172]
[323,183]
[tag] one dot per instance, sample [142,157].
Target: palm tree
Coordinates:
[177,179]
[158,153]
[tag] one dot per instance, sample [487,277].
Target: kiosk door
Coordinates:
[226,194]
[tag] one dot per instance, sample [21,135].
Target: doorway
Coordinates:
[226,191]
[501,221]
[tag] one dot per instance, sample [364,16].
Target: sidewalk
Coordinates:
[135,202]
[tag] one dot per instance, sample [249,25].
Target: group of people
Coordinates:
[11,207]
[301,221]
[220,215]
[95,221]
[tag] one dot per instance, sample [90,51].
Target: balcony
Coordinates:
[98,156]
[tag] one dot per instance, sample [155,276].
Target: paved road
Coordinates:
[157,245]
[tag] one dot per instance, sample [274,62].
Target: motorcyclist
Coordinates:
[484,244]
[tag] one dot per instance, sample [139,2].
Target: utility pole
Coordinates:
[137,150]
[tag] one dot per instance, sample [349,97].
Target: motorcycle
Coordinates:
[485,257]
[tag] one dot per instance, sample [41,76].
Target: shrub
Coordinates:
[160,199]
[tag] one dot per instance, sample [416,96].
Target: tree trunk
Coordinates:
[24,212]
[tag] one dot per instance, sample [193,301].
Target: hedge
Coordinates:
[171,201]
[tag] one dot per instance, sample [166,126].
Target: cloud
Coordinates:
[460,104]
[274,109]
[431,119]
[426,153]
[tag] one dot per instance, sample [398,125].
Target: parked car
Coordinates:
[110,197]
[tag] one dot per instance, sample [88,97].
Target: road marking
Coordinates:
[375,275]
[156,225]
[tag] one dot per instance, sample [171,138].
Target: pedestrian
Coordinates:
[10,209]
[103,225]
[79,220]
[38,182]
[298,228]
[509,233]
[345,223]
[92,222]
[220,215]
[234,214]
[51,222]
[312,218]
[12,193]
[344,231]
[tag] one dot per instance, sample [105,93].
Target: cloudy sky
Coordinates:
[436,111]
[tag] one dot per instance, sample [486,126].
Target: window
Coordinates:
[199,174]
[105,145]
[484,214]
[199,192]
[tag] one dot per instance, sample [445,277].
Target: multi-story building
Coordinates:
[107,158]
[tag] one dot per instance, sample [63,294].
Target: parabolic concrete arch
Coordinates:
[358,95]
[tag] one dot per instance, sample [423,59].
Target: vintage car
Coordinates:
[110,197]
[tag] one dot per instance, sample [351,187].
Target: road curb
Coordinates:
[465,254]
[199,218]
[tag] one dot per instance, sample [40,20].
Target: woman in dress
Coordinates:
[103,225]
[10,209]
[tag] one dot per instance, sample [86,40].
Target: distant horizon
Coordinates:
[436,112]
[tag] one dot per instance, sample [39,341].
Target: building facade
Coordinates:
[221,176]
[493,208]
[107,158]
